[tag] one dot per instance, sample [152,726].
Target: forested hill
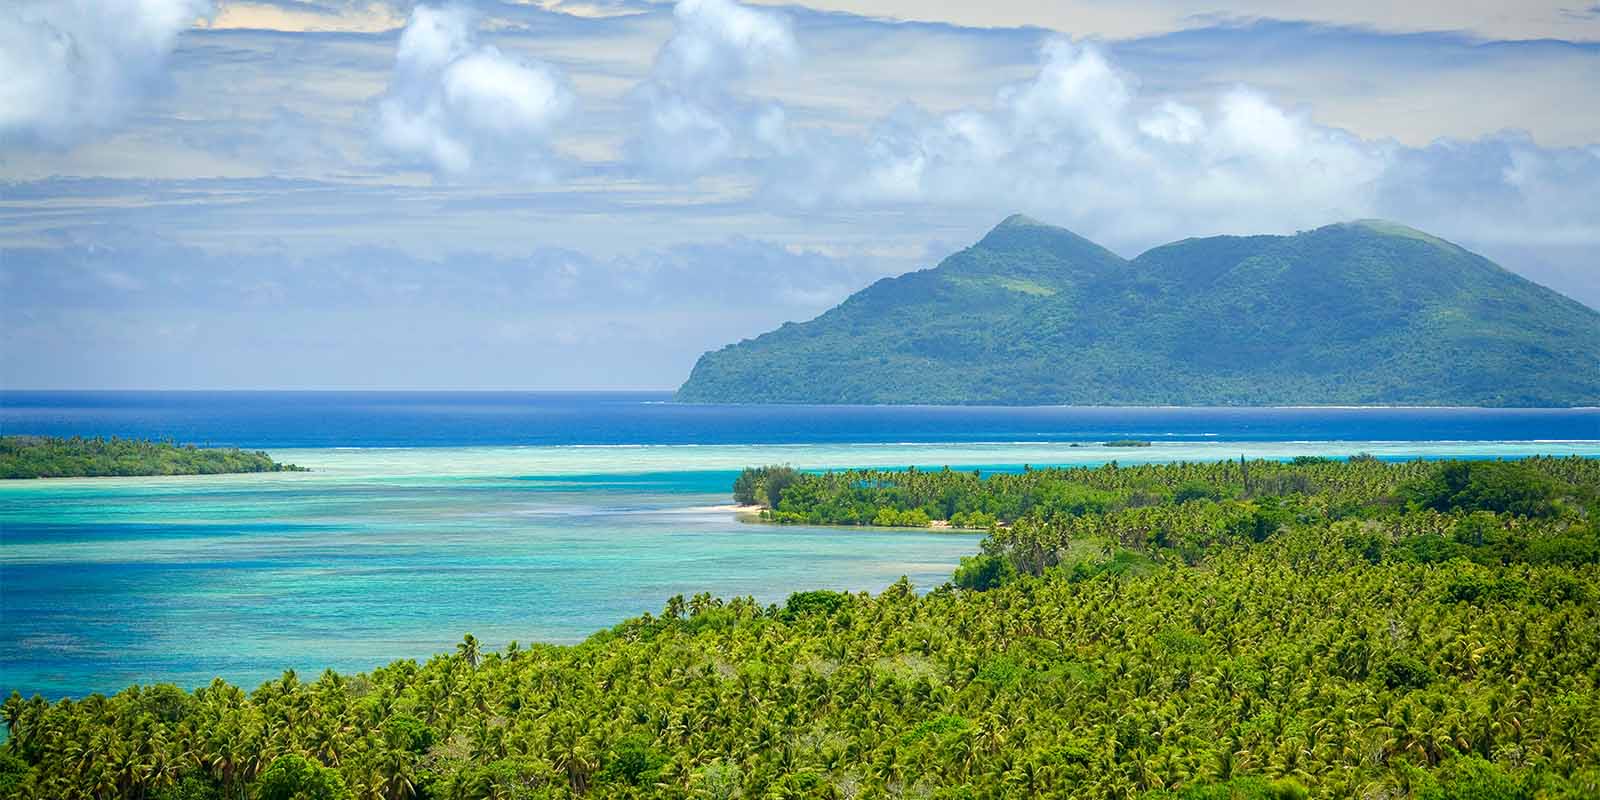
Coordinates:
[1364,313]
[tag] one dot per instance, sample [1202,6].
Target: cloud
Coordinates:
[691,119]
[1524,19]
[75,67]
[369,16]
[1499,190]
[124,308]
[876,135]
[459,107]
[1076,143]
[126,268]
[1412,88]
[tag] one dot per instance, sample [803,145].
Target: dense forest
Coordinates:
[1365,313]
[1245,630]
[79,457]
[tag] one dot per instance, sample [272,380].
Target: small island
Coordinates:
[79,457]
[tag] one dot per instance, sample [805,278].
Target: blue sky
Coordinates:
[351,194]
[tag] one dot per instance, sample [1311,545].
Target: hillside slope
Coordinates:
[1364,312]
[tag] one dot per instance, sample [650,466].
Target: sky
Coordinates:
[355,194]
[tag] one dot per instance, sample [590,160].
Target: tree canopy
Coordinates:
[1323,633]
[79,457]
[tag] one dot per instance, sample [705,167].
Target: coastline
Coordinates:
[334,466]
[741,512]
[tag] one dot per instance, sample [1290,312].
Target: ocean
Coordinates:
[462,419]
[528,516]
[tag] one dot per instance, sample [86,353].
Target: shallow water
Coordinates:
[123,581]
[387,553]
[528,516]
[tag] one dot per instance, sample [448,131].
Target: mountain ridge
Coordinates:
[1366,312]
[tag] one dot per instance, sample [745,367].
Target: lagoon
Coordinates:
[386,552]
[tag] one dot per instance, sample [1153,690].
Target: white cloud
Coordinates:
[883,136]
[350,16]
[1500,190]
[1523,19]
[69,68]
[1077,144]
[719,39]
[459,107]
[690,117]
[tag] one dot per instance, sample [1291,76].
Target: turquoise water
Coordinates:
[388,553]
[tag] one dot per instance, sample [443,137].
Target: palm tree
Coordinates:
[573,754]
[469,652]
[13,710]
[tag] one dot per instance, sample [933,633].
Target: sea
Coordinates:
[531,517]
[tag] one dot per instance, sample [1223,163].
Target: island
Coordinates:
[1252,631]
[1357,313]
[81,457]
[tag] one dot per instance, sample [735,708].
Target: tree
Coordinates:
[763,486]
[292,777]
[469,651]
[1501,487]
[982,572]
[1365,647]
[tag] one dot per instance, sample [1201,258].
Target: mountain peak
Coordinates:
[1388,228]
[1020,233]
[1020,221]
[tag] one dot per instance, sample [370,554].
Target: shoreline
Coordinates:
[553,464]
[739,510]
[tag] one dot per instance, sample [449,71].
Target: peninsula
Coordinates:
[79,457]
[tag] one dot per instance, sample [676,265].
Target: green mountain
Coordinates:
[1357,313]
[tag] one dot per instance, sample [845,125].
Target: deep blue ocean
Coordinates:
[534,517]
[458,419]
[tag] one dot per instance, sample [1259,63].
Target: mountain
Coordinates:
[1365,312]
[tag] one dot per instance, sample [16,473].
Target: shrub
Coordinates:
[821,601]
[409,733]
[292,777]
[1196,490]
[1402,671]
[634,761]
[763,485]
[983,572]
[1472,778]
[912,518]
[1501,487]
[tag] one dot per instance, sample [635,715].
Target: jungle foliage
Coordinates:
[1316,629]
[79,457]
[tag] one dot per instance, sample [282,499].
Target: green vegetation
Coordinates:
[52,457]
[763,486]
[1362,487]
[1319,629]
[1128,443]
[1358,313]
